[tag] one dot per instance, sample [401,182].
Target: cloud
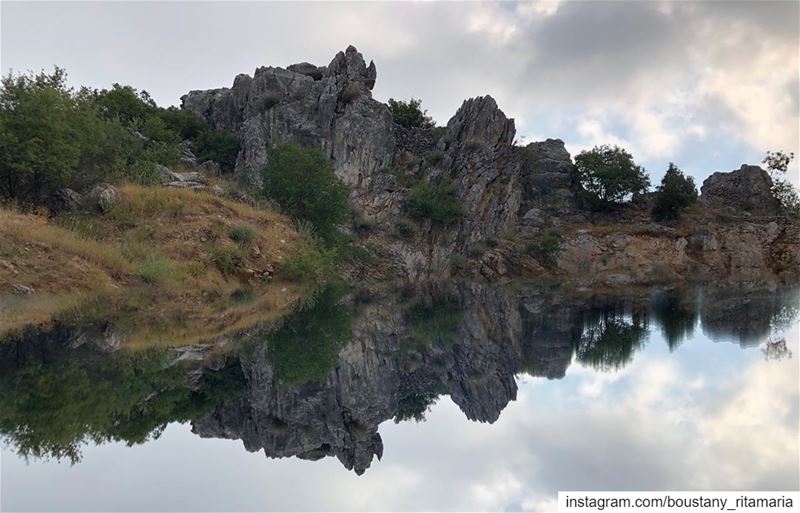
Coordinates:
[674,81]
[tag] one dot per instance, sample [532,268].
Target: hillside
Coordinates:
[160,266]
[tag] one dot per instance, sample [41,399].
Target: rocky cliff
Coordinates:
[509,195]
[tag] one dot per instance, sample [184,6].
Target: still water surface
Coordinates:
[471,399]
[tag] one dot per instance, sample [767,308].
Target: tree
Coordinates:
[40,144]
[675,193]
[302,181]
[409,114]
[610,175]
[777,163]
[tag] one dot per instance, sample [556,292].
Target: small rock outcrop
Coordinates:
[748,188]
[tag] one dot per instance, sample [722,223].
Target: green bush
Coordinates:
[241,234]
[546,248]
[156,270]
[409,114]
[227,259]
[675,193]
[218,145]
[406,228]
[52,136]
[435,202]
[302,181]
[610,175]
[313,264]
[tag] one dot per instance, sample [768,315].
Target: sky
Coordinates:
[707,85]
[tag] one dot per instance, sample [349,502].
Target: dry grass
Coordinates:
[156,243]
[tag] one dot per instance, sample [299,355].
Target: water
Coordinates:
[475,398]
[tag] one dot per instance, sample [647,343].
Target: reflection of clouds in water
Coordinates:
[706,416]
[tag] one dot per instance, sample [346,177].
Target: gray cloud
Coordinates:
[666,79]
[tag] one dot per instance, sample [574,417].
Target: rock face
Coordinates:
[505,191]
[330,107]
[748,189]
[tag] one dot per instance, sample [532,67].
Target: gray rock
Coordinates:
[21,290]
[168,175]
[748,188]
[103,196]
[65,200]
[305,105]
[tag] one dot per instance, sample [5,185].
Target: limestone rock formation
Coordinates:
[330,107]
[748,188]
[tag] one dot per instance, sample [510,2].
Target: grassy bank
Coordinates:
[169,266]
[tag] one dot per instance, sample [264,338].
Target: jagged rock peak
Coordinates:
[480,121]
[350,63]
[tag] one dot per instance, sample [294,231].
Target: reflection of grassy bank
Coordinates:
[173,261]
[52,409]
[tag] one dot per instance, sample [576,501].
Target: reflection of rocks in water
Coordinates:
[322,382]
[749,319]
[468,344]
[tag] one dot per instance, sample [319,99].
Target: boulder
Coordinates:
[748,189]
[103,196]
[65,200]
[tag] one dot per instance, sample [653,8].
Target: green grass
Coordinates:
[242,234]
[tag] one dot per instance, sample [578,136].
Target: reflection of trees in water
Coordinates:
[610,338]
[306,346]
[434,321]
[54,400]
[414,406]
[675,312]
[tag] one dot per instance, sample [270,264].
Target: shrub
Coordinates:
[435,202]
[241,234]
[609,174]
[434,157]
[675,193]
[546,248]
[156,270]
[406,228]
[218,145]
[313,264]
[409,114]
[227,259]
[302,181]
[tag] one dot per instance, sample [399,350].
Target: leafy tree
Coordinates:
[777,163]
[610,175]
[675,193]
[435,202]
[126,103]
[302,181]
[40,141]
[184,122]
[409,114]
